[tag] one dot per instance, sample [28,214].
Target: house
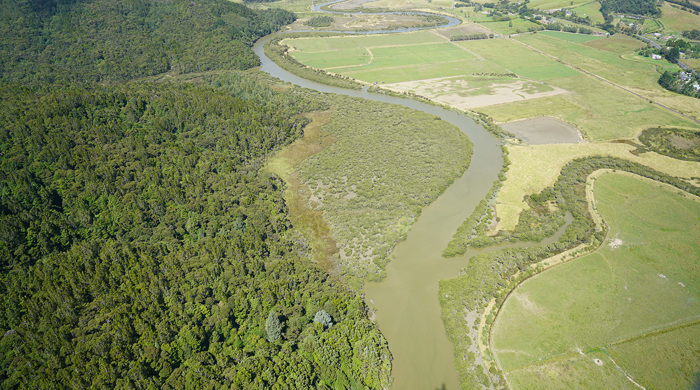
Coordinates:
[656,57]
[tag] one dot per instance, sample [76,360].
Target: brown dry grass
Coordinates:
[306,220]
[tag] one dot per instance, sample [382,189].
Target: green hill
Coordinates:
[107,41]
[140,244]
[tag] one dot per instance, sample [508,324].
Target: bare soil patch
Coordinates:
[683,143]
[467,92]
[543,131]
[615,243]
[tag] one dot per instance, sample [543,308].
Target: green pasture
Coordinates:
[514,26]
[469,14]
[618,66]
[359,42]
[572,371]
[323,60]
[592,10]
[676,21]
[601,110]
[418,54]
[518,59]
[643,281]
[614,60]
[678,348]
[552,4]
[651,25]
[420,71]
[570,37]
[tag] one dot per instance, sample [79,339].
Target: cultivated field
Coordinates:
[612,308]
[601,110]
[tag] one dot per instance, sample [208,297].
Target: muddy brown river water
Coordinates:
[406,301]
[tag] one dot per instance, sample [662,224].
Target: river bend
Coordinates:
[406,301]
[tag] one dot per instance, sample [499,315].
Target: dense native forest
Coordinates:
[99,40]
[141,245]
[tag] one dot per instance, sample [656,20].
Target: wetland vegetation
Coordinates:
[676,143]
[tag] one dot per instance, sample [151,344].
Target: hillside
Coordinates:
[108,41]
[141,245]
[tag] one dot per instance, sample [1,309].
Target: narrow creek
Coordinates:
[406,301]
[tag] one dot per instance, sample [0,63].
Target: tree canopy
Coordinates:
[108,41]
[140,243]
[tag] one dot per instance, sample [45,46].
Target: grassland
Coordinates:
[571,37]
[590,9]
[676,21]
[602,111]
[556,4]
[640,285]
[514,26]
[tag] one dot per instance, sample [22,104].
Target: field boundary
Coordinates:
[492,308]
[607,81]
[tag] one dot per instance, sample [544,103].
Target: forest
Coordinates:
[141,244]
[109,41]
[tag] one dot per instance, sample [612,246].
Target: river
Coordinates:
[406,301]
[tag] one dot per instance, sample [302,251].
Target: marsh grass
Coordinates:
[385,164]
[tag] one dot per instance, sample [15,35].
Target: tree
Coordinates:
[673,55]
[273,327]
[322,317]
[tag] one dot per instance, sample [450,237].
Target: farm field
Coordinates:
[510,27]
[600,110]
[613,59]
[676,21]
[590,9]
[534,168]
[615,304]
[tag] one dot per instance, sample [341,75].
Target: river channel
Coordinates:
[406,301]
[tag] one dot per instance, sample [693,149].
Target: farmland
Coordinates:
[638,288]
